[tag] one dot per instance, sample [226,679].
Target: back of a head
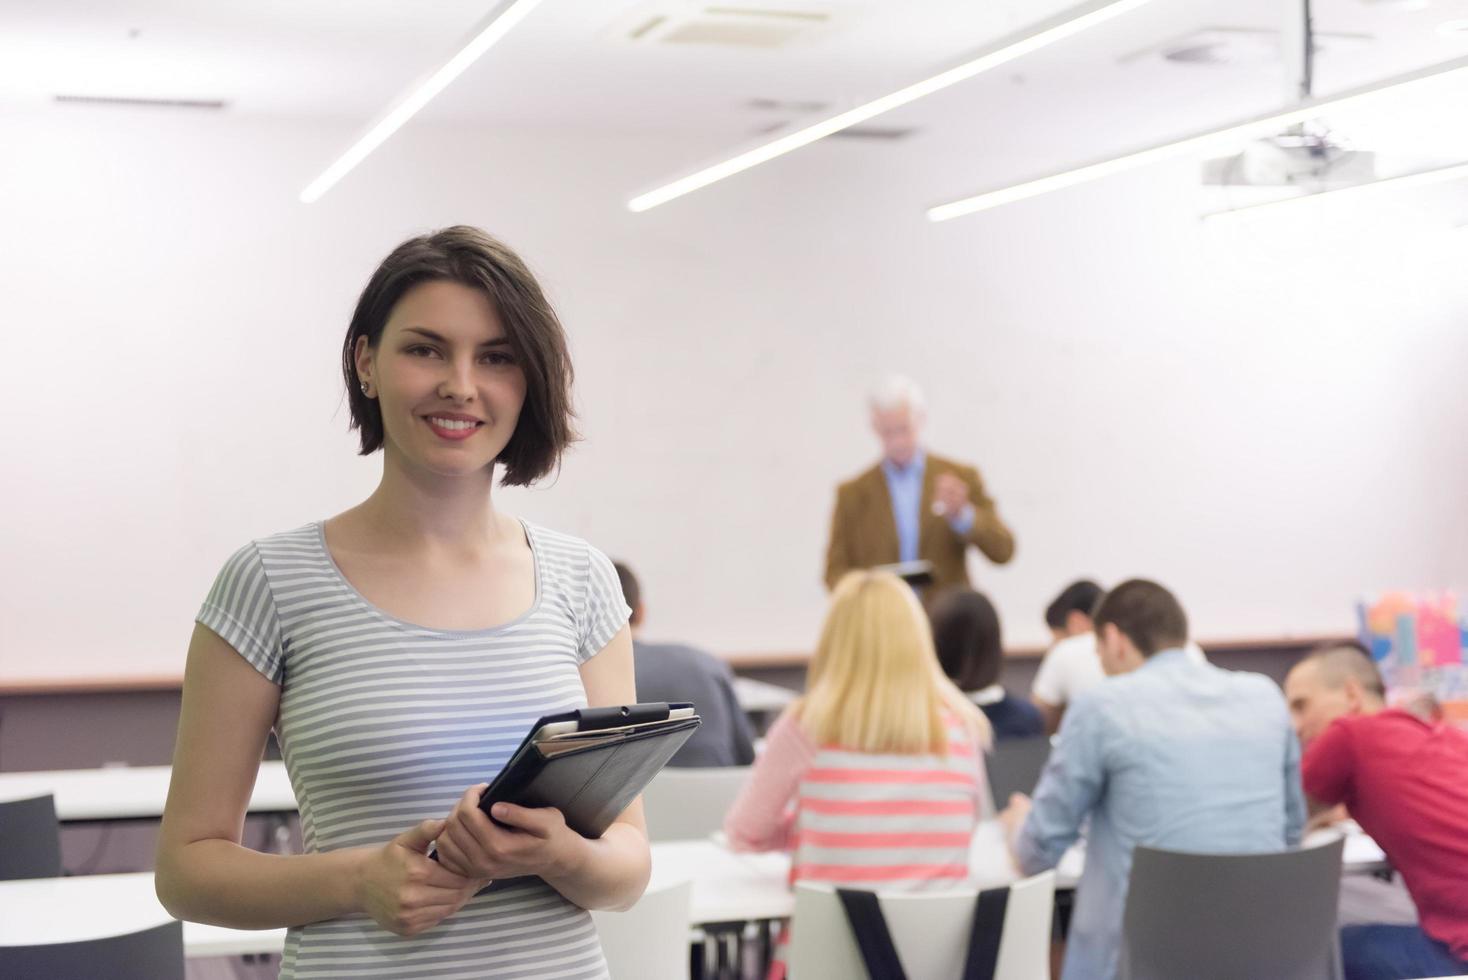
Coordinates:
[1080,596]
[874,683]
[1337,661]
[631,588]
[1145,613]
[967,637]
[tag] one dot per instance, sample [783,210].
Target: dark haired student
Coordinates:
[966,636]
[1167,751]
[401,649]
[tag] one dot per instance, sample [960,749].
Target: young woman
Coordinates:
[966,635]
[875,777]
[401,650]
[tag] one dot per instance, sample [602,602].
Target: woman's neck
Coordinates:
[413,509]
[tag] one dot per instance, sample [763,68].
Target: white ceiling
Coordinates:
[566,66]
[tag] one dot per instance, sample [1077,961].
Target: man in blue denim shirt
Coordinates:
[1175,754]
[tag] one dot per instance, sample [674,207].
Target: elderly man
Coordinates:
[1405,781]
[1169,751]
[913,504]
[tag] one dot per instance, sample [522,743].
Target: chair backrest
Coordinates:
[689,804]
[649,941]
[1014,766]
[30,839]
[1221,916]
[151,954]
[930,931]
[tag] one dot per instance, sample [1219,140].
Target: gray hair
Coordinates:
[898,391]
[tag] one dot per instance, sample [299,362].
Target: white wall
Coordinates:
[1267,417]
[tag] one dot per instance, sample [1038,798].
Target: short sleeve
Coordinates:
[1048,685]
[1329,763]
[604,611]
[241,609]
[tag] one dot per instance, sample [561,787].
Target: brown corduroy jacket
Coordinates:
[864,531]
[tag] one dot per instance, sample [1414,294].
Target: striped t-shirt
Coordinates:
[384,724]
[883,822]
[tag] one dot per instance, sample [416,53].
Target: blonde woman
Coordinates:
[874,778]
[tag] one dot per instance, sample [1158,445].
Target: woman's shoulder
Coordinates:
[565,554]
[295,543]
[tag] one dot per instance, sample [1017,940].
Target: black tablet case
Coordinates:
[591,786]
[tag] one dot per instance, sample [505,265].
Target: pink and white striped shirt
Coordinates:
[885,822]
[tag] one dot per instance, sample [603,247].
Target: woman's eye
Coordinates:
[498,357]
[420,350]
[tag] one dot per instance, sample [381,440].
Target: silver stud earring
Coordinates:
[364,389]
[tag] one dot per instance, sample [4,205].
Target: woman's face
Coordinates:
[446,379]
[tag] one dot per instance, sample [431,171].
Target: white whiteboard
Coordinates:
[1270,429]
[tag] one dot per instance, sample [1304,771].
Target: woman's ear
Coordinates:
[365,367]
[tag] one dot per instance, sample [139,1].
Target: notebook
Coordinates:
[590,764]
[917,574]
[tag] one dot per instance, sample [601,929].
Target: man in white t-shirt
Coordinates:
[1072,665]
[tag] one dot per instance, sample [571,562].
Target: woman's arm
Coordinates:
[203,872]
[758,820]
[608,873]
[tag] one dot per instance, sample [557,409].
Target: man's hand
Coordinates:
[950,496]
[1013,816]
[1327,818]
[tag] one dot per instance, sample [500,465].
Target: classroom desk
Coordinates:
[727,887]
[761,697]
[131,792]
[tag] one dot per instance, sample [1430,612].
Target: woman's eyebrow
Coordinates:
[439,338]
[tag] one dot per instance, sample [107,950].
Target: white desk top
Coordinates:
[726,888]
[131,792]
[760,696]
[54,910]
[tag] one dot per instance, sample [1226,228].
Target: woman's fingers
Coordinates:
[540,821]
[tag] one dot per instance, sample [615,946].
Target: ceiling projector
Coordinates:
[1302,155]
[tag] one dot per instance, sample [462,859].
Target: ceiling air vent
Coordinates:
[130,102]
[1238,46]
[766,27]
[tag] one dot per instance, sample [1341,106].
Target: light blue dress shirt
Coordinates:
[1176,754]
[905,488]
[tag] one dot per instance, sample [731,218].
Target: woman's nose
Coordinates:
[458,382]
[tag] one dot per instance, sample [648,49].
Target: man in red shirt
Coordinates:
[1405,781]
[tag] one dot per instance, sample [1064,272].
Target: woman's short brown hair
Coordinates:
[966,637]
[470,257]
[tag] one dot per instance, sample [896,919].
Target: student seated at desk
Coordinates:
[1175,754]
[874,778]
[675,672]
[1404,779]
[966,635]
[1070,665]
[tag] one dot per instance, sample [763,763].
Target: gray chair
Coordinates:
[152,954]
[30,839]
[1014,766]
[689,803]
[1225,916]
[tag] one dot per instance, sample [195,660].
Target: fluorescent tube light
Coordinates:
[1055,29]
[1198,142]
[499,23]
[1419,178]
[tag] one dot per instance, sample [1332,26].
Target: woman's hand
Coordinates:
[404,891]
[536,842]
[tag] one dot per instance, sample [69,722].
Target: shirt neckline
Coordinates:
[915,466]
[383,614]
